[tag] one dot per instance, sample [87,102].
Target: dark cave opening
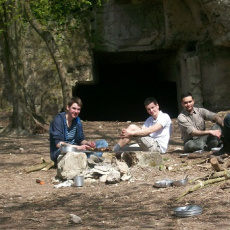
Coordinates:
[121,88]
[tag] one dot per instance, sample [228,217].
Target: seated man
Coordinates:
[153,136]
[66,129]
[226,137]
[191,122]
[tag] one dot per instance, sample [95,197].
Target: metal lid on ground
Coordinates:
[187,211]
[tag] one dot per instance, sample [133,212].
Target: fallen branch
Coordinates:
[196,155]
[36,167]
[48,166]
[45,165]
[197,162]
[225,173]
[202,184]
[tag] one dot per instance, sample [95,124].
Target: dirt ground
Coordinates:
[25,204]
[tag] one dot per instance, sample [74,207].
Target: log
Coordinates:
[220,159]
[36,167]
[215,164]
[226,164]
[48,166]
[196,155]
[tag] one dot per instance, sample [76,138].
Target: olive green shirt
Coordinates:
[196,121]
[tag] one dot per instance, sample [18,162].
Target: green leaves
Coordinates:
[59,11]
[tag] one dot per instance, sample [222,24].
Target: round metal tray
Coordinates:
[187,211]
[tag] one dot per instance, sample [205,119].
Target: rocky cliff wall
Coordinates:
[197,32]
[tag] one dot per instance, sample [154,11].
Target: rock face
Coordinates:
[198,32]
[190,40]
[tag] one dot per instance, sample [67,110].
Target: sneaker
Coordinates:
[212,144]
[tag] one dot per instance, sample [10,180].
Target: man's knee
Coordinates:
[192,146]
[216,127]
[133,127]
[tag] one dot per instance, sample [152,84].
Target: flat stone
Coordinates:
[142,159]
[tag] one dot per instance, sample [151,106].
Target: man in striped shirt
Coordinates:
[66,129]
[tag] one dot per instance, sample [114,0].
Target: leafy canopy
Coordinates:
[60,11]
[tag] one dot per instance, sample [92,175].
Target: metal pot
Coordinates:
[182,182]
[68,148]
[163,183]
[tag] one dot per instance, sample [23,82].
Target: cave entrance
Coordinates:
[124,81]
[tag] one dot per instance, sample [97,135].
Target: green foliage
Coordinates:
[60,11]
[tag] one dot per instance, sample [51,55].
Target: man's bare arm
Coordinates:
[216,133]
[219,120]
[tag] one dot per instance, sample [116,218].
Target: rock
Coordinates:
[113,177]
[96,159]
[103,168]
[146,159]
[122,167]
[142,159]
[103,178]
[98,171]
[75,219]
[130,158]
[91,162]
[71,164]
[107,157]
[90,180]
[126,177]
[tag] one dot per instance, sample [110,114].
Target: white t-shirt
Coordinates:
[162,136]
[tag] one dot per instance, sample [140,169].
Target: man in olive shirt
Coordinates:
[191,122]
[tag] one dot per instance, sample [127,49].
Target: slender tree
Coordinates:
[40,14]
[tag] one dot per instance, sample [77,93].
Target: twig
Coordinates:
[201,184]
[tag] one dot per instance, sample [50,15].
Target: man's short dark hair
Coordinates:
[76,100]
[183,95]
[150,100]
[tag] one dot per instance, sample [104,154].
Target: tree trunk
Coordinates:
[54,52]
[13,66]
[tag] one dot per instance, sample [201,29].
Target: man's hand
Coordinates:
[216,133]
[125,133]
[91,144]
[82,147]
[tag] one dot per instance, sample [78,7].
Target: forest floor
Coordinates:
[135,204]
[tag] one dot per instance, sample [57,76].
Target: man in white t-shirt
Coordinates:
[153,136]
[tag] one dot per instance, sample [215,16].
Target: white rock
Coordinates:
[113,177]
[76,219]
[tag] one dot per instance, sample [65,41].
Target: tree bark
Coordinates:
[13,67]
[54,52]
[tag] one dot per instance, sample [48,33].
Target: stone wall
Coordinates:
[197,32]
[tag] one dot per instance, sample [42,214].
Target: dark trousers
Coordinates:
[199,143]
[226,130]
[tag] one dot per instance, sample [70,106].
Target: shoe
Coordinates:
[212,144]
[222,151]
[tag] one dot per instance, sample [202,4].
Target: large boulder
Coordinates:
[142,159]
[71,164]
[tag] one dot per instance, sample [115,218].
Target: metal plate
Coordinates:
[187,211]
